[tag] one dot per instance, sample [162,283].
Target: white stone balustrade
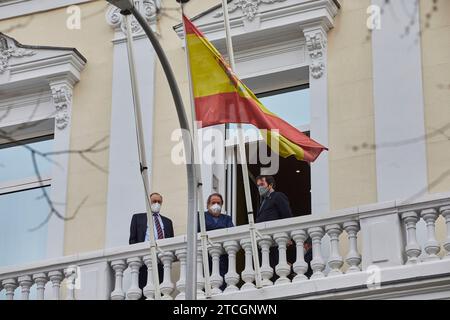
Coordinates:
[56,277]
[335,261]
[353,258]
[215,252]
[300,266]
[40,279]
[181,283]
[282,269]
[248,274]
[231,277]
[432,247]
[10,285]
[200,277]
[71,277]
[266,270]
[134,292]
[445,211]
[167,285]
[118,266]
[317,262]
[429,213]
[149,289]
[25,282]
[117,270]
[413,249]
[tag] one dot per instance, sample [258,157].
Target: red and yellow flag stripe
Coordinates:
[220,97]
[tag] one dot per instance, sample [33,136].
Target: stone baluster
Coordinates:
[216,280]
[10,285]
[412,248]
[56,277]
[200,278]
[445,211]
[248,274]
[282,269]
[71,277]
[353,258]
[232,277]
[300,266]
[25,283]
[181,283]
[149,289]
[266,270]
[40,279]
[432,247]
[134,292]
[167,286]
[317,263]
[335,261]
[118,266]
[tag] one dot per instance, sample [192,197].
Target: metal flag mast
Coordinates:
[142,156]
[243,158]
[127,7]
[203,235]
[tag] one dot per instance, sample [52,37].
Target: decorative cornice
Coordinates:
[316,42]
[46,66]
[8,49]
[62,99]
[249,8]
[296,14]
[148,8]
[15,8]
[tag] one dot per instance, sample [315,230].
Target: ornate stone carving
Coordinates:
[316,43]
[62,98]
[148,8]
[249,7]
[8,49]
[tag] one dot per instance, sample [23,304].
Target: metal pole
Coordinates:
[203,234]
[142,156]
[191,263]
[243,157]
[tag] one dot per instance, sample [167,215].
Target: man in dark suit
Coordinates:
[139,232]
[214,220]
[274,205]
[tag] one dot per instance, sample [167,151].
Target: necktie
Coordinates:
[158,226]
[262,204]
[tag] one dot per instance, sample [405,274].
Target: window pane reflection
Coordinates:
[19,212]
[16,162]
[293,106]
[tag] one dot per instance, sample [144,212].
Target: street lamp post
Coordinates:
[127,7]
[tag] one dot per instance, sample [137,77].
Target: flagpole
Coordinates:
[142,156]
[127,7]
[203,234]
[243,157]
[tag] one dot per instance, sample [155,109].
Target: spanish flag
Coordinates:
[220,97]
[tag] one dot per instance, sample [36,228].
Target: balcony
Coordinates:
[382,251]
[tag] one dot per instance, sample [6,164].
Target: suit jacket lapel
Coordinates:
[143,229]
[263,203]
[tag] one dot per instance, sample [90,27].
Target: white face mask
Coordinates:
[216,208]
[155,207]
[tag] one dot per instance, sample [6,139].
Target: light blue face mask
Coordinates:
[263,190]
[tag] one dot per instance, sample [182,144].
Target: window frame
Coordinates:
[229,143]
[39,86]
[32,182]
